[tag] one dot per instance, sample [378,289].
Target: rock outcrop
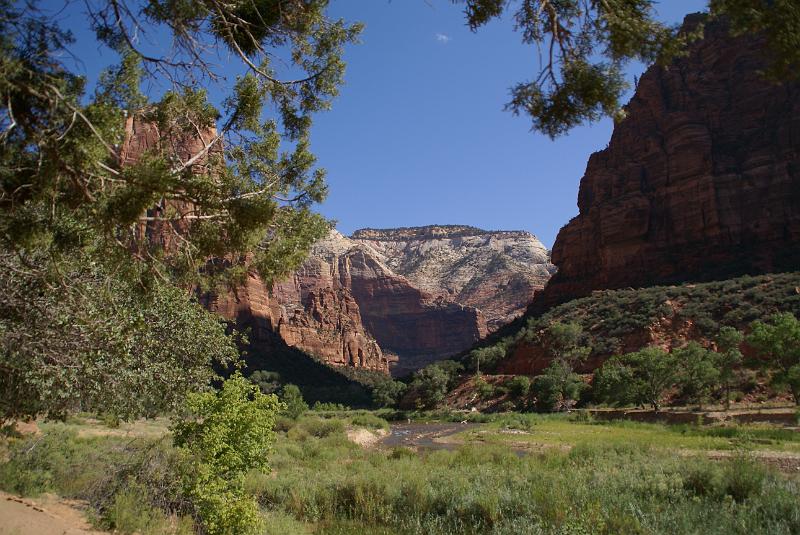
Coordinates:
[700,182]
[321,320]
[496,272]
[415,326]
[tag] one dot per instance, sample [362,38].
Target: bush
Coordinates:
[319,427]
[268,382]
[222,436]
[744,478]
[484,389]
[293,403]
[370,421]
[519,386]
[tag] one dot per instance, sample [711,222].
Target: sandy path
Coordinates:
[47,515]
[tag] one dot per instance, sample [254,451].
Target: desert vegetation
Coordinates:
[705,363]
[575,475]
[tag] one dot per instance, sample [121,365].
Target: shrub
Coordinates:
[370,421]
[484,389]
[293,403]
[320,427]
[744,478]
[519,386]
[268,382]
[222,436]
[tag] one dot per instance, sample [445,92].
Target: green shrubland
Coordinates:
[581,476]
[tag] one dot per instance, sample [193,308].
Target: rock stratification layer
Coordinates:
[701,181]
[496,272]
[416,326]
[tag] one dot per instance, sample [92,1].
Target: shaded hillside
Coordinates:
[317,381]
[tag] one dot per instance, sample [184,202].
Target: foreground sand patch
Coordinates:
[366,438]
[46,515]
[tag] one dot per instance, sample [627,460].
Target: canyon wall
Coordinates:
[496,272]
[701,181]
[414,326]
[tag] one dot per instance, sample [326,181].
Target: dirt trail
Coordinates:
[47,515]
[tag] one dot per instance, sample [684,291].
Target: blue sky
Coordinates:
[419,136]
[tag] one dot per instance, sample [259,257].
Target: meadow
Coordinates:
[577,476]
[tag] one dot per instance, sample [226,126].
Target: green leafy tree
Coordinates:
[519,386]
[293,402]
[778,339]
[78,219]
[641,377]
[729,358]
[558,387]
[699,373]
[430,384]
[485,358]
[101,344]
[266,381]
[388,393]
[567,343]
[584,46]
[223,435]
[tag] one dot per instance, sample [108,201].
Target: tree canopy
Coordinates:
[77,267]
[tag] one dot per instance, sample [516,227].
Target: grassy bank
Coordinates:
[619,477]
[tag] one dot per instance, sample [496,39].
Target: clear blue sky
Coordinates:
[419,136]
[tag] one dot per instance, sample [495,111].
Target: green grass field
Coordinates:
[580,477]
[557,431]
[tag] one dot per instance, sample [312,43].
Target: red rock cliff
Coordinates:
[318,319]
[701,181]
[412,324]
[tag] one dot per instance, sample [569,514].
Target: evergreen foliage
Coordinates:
[584,46]
[75,219]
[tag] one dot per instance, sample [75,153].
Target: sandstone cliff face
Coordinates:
[142,136]
[496,272]
[701,181]
[322,321]
[407,296]
[412,324]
